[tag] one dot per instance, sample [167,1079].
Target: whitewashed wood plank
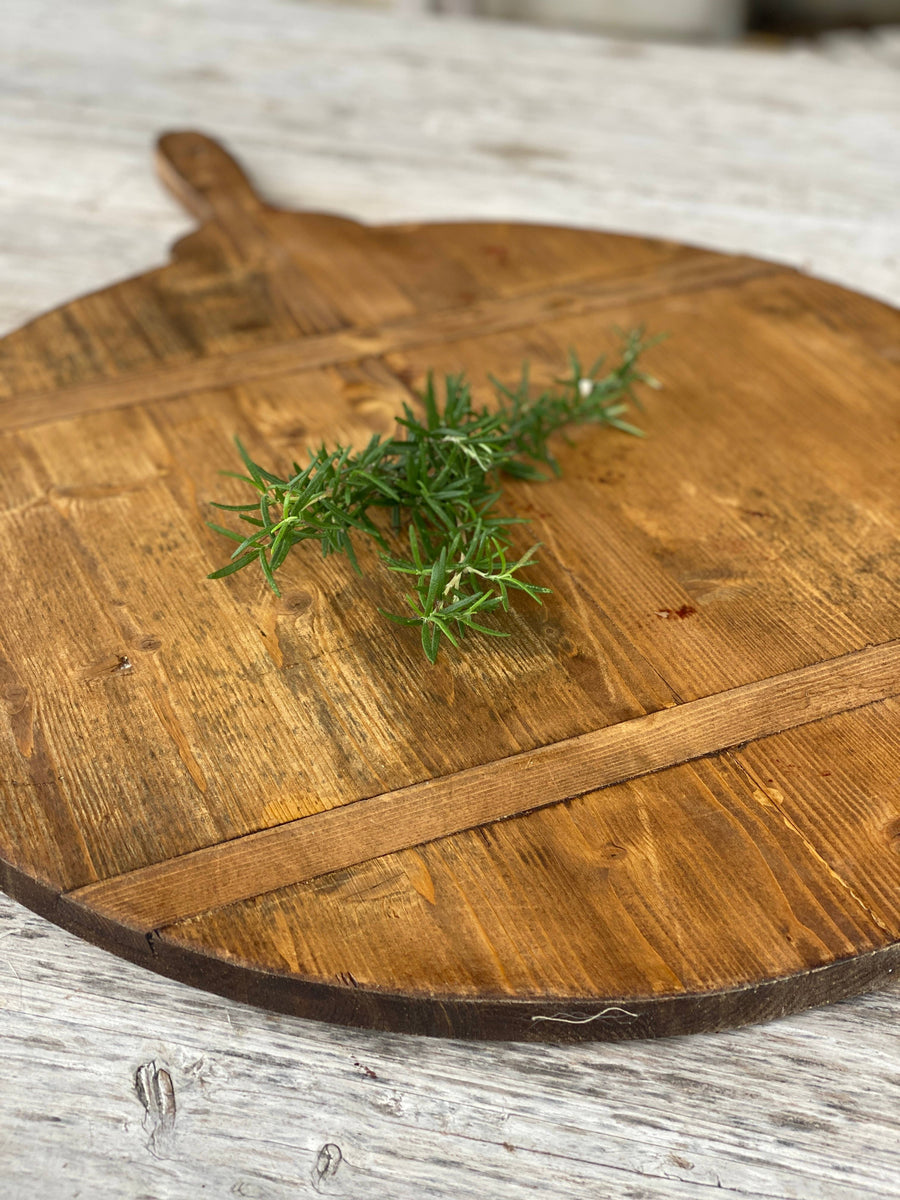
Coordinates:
[805,1107]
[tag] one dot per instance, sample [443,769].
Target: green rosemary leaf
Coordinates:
[431,637]
[234,507]
[267,571]
[415,547]
[230,569]
[380,485]
[429,400]
[351,554]
[258,484]
[257,473]
[487,629]
[437,581]
[229,533]
[398,619]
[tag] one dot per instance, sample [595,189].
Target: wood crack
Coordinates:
[294,852]
[759,790]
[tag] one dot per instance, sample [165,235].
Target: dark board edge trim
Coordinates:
[487,1019]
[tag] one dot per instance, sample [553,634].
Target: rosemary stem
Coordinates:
[439,479]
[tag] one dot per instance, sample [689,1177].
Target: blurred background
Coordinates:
[765,127]
[700,19]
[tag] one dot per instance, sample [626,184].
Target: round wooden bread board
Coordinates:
[669,802]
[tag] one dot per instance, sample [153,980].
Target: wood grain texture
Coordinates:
[730,579]
[348,346]
[342,837]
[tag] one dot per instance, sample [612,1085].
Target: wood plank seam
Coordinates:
[704,273]
[164,893]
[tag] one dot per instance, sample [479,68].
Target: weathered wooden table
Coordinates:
[118,1083]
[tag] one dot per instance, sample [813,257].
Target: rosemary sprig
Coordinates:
[438,481]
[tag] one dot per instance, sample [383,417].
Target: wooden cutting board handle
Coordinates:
[204,177]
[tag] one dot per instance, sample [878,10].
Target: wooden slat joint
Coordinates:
[297,851]
[28,409]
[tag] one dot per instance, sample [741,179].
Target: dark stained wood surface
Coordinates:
[694,741]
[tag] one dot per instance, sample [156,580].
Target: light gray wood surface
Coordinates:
[115,1083]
